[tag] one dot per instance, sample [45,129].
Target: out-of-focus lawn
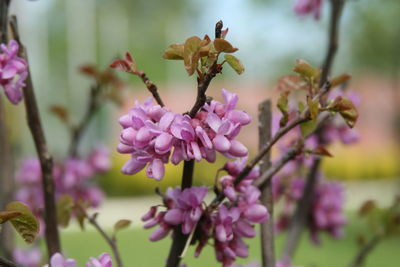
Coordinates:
[137,251]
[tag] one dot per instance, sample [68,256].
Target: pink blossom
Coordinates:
[28,258]
[104,260]
[305,7]
[13,71]
[183,208]
[57,260]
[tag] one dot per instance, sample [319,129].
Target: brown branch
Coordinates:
[299,218]
[365,251]
[180,239]
[78,131]
[6,153]
[151,87]
[46,161]
[7,263]
[267,228]
[111,241]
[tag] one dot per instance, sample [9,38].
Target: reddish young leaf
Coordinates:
[222,45]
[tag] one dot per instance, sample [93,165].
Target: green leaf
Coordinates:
[122,224]
[174,52]
[308,127]
[26,224]
[306,70]
[8,215]
[284,108]
[313,107]
[65,205]
[346,109]
[191,54]
[235,63]
[80,215]
[222,45]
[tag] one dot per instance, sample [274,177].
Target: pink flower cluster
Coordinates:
[305,7]
[58,260]
[227,225]
[72,178]
[235,219]
[153,134]
[327,210]
[183,208]
[13,71]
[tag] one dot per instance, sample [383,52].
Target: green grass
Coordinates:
[137,251]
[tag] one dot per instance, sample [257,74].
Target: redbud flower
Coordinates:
[104,260]
[58,260]
[13,71]
[27,258]
[305,7]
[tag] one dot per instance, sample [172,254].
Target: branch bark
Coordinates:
[7,263]
[111,241]
[267,228]
[46,160]
[6,154]
[365,251]
[78,131]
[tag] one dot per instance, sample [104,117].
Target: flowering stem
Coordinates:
[112,242]
[7,263]
[267,228]
[46,160]
[180,239]
[78,131]
[365,251]
[6,156]
[299,218]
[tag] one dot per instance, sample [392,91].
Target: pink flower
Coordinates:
[57,260]
[13,71]
[104,260]
[28,258]
[305,7]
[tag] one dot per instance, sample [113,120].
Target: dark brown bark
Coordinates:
[364,251]
[267,228]
[7,263]
[6,155]
[46,160]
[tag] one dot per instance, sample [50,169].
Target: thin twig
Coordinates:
[267,228]
[365,251]
[7,263]
[111,241]
[46,160]
[78,131]
[298,220]
[151,87]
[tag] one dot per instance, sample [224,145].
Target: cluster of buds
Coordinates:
[13,71]
[305,7]
[153,134]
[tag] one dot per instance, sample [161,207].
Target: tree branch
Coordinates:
[78,131]
[267,228]
[7,263]
[111,241]
[151,87]
[365,251]
[46,161]
[298,221]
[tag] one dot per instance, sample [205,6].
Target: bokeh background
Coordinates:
[62,35]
